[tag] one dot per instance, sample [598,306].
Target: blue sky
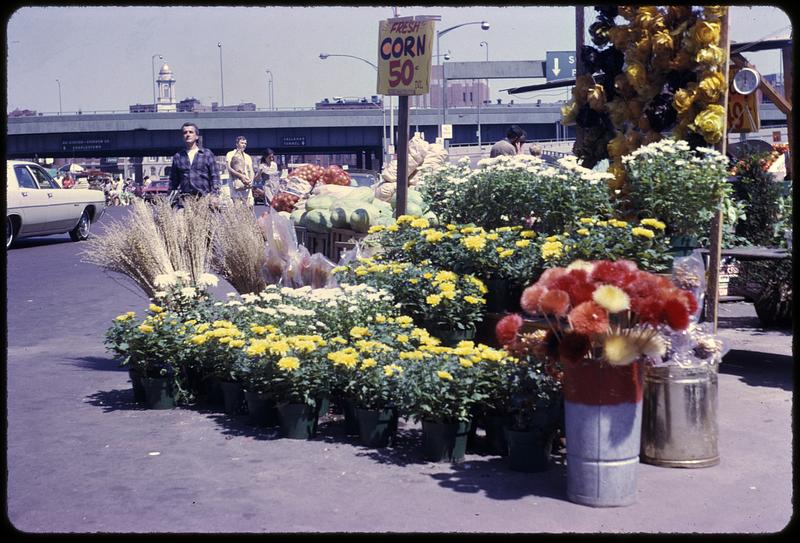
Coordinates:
[103,55]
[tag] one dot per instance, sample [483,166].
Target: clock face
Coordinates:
[745,81]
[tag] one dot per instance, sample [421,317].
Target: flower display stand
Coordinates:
[603,422]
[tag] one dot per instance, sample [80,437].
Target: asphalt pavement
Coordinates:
[82,457]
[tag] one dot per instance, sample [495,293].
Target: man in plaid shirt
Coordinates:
[194,169]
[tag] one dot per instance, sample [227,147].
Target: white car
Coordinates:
[37,206]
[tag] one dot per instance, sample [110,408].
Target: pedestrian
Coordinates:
[269,175]
[511,145]
[194,169]
[240,179]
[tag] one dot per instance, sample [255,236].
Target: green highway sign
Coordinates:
[560,65]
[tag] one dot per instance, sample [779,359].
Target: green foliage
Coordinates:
[681,187]
[761,196]
[515,191]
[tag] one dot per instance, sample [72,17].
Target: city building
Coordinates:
[460,93]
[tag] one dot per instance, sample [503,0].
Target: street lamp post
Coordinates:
[439,34]
[221,86]
[323,56]
[153,68]
[480,97]
[269,91]
[59,95]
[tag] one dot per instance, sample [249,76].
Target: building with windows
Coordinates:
[460,93]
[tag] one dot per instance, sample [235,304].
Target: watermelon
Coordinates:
[340,215]
[297,215]
[362,218]
[317,220]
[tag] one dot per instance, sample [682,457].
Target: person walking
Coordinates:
[240,179]
[269,175]
[194,169]
[511,145]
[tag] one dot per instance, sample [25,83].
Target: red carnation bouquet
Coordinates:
[603,311]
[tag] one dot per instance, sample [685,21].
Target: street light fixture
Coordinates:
[439,34]
[324,56]
[153,68]
[59,95]
[270,91]
[221,86]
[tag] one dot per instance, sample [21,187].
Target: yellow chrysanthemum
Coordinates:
[611,298]
[433,299]
[340,340]
[653,223]
[473,300]
[405,218]
[288,363]
[434,237]
[368,363]
[551,238]
[465,362]
[643,232]
[359,332]
[155,309]
[552,249]
[236,343]
[345,358]
[522,243]
[478,283]
[404,320]
[506,253]
[376,228]
[446,276]
[380,318]
[527,234]
[391,369]
[444,375]
[199,339]
[408,245]
[619,350]
[451,227]
[474,243]
[420,223]
[401,338]
[583,231]
[392,228]
[146,329]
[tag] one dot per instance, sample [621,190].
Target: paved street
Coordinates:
[83,457]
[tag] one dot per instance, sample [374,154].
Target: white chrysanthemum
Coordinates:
[207,280]
[164,280]
[249,298]
[231,294]
[189,292]
[160,294]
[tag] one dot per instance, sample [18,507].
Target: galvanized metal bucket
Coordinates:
[679,427]
[602,452]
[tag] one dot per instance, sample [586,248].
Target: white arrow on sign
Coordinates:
[556,69]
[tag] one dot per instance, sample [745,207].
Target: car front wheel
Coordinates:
[9,232]
[81,230]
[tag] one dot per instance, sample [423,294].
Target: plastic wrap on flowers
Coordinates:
[689,273]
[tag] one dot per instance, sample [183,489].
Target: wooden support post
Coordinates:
[579,69]
[715,249]
[788,80]
[402,157]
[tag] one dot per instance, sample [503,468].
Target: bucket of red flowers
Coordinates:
[603,319]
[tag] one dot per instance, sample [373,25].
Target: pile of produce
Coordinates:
[422,157]
[298,186]
[352,208]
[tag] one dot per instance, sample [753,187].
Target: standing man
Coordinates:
[194,169]
[240,180]
[512,145]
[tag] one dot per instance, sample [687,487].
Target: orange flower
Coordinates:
[588,318]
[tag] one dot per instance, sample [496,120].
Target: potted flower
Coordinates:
[604,318]
[440,389]
[679,415]
[680,186]
[117,338]
[534,401]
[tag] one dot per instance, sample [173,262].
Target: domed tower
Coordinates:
[166,90]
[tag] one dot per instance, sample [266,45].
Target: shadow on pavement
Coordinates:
[239,425]
[98,363]
[406,449]
[752,325]
[114,400]
[759,369]
[493,477]
[39,241]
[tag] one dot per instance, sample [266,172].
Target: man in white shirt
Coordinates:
[240,180]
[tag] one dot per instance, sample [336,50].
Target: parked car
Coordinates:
[159,187]
[38,206]
[364,178]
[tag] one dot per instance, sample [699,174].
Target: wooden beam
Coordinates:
[783,104]
[579,32]
[788,81]
[715,249]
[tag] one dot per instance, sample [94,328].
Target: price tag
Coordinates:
[404,57]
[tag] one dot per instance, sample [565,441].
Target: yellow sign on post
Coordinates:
[404,57]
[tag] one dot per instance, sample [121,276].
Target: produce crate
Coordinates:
[317,242]
[301,231]
[342,240]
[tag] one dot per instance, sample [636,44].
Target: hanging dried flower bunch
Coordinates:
[660,71]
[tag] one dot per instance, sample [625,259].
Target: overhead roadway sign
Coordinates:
[495,69]
[560,65]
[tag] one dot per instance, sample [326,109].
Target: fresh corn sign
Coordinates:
[404,57]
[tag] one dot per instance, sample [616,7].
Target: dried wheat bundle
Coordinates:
[132,247]
[239,252]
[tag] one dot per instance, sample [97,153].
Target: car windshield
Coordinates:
[363,179]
